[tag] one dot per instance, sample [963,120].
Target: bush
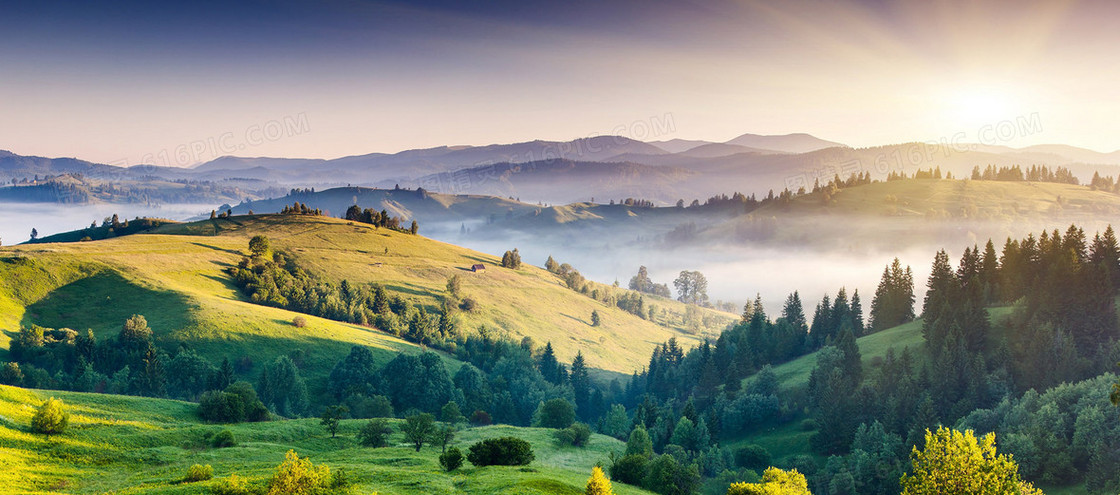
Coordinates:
[753,457]
[480,418]
[223,439]
[629,469]
[504,451]
[258,245]
[451,460]
[810,425]
[774,480]
[237,403]
[375,433]
[234,485]
[221,407]
[198,472]
[51,418]
[299,322]
[576,435]
[468,304]
[298,475]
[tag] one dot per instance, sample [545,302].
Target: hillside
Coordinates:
[919,212]
[175,276]
[137,445]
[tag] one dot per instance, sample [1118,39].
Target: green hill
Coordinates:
[124,444]
[175,276]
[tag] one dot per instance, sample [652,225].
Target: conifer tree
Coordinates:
[598,484]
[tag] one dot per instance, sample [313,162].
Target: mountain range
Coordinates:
[599,168]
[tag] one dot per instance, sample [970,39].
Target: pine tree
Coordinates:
[581,387]
[548,365]
[857,314]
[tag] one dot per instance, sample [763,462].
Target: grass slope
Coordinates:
[872,348]
[124,444]
[174,275]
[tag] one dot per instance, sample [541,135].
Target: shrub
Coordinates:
[297,475]
[258,245]
[340,481]
[629,469]
[237,403]
[221,407]
[234,485]
[198,472]
[223,439]
[753,457]
[375,433]
[468,304]
[774,480]
[576,435]
[809,425]
[480,418]
[299,322]
[451,460]
[51,418]
[504,451]
[10,374]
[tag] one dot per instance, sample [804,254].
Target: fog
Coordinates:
[50,218]
[734,274]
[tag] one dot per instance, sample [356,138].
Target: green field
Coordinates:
[125,444]
[174,275]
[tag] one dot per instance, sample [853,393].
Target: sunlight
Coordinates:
[971,106]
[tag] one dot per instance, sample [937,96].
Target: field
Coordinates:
[136,445]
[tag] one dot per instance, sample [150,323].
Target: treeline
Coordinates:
[1062,329]
[127,363]
[1015,173]
[974,373]
[380,219]
[298,208]
[110,227]
[279,281]
[1109,183]
[76,189]
[630,301]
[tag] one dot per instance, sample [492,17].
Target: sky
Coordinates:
[168,83]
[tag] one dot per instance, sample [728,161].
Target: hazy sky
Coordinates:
[130,81]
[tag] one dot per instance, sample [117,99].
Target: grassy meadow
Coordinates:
[119,444]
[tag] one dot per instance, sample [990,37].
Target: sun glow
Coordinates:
[972,106]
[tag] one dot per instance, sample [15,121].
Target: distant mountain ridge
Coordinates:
[613,167]
[787,143]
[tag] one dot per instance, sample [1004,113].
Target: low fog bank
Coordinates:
[734,274]
[50,218]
